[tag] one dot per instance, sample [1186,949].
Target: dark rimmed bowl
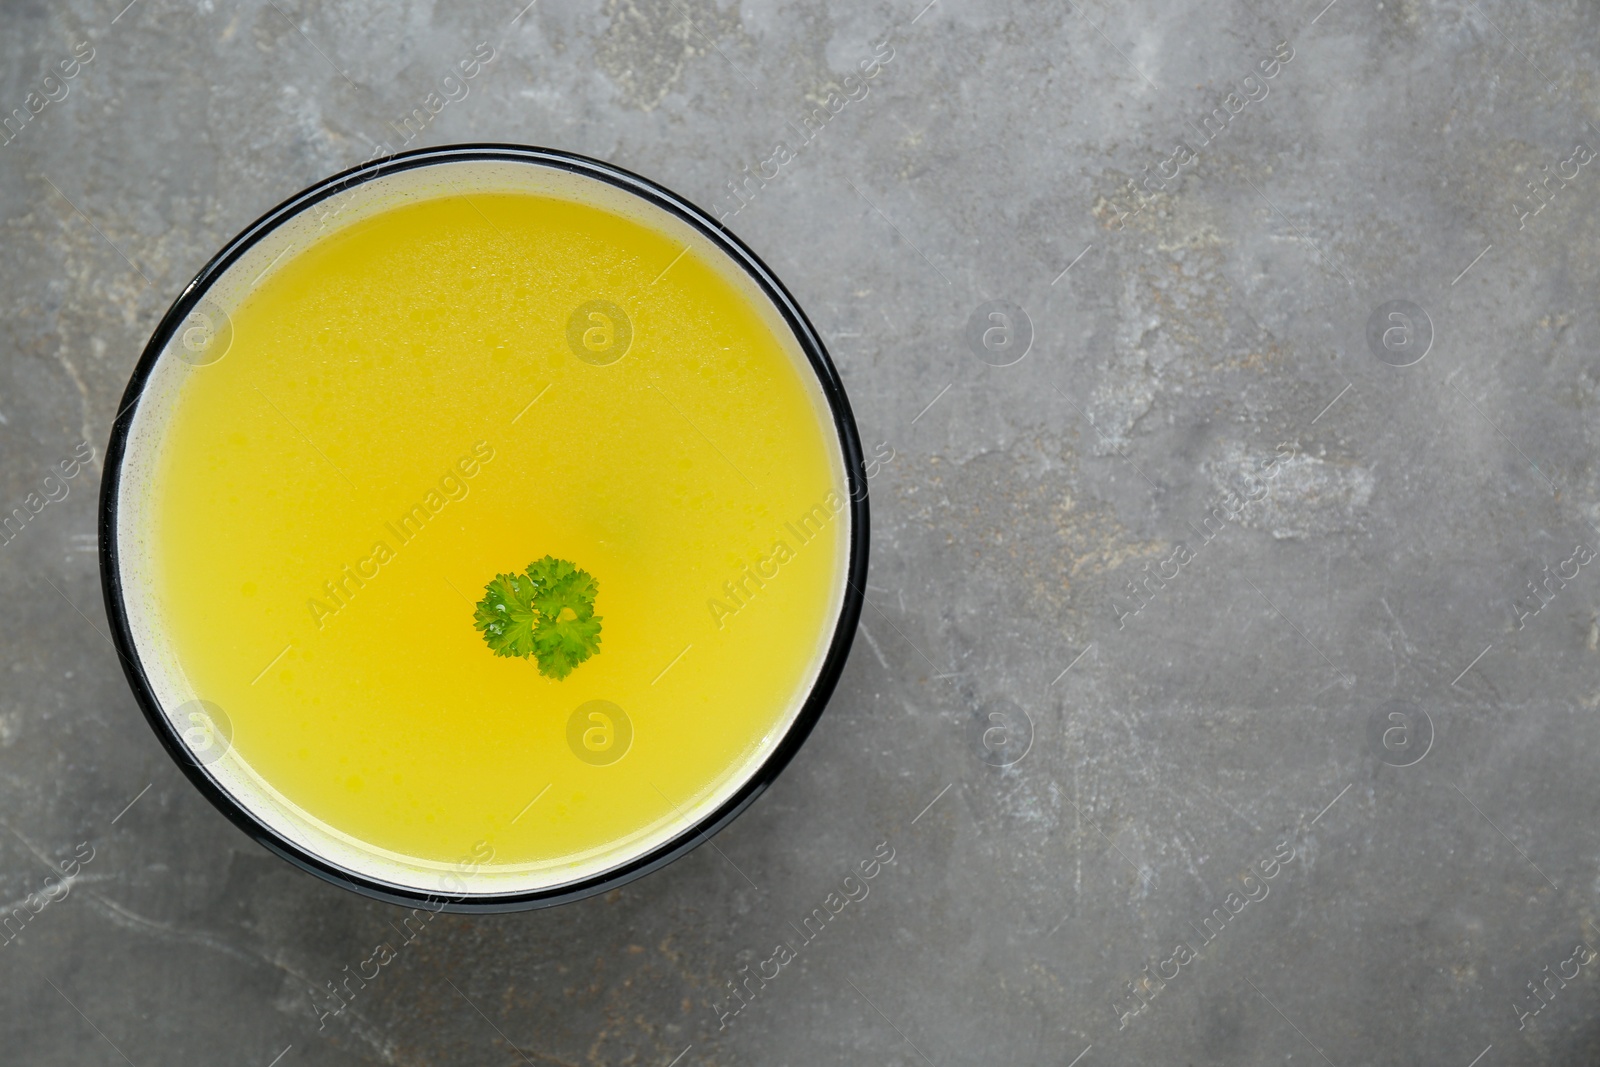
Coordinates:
[838,646]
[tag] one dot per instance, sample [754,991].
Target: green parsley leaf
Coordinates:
[560,586]
[568,631]
[563,643]
[547,612]
[506,615]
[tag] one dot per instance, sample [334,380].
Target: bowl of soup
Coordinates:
[483,527]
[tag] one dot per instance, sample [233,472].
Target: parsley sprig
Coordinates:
[545,611]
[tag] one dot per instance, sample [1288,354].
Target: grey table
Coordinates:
[1227,692]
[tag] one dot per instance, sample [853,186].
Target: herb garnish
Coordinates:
[546,611]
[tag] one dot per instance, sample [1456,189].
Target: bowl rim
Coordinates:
[855,574]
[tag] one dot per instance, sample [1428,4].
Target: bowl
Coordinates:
[484,527]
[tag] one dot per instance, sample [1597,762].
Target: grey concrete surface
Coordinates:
[1356,537]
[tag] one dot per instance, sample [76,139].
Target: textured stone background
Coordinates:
[1201,330]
